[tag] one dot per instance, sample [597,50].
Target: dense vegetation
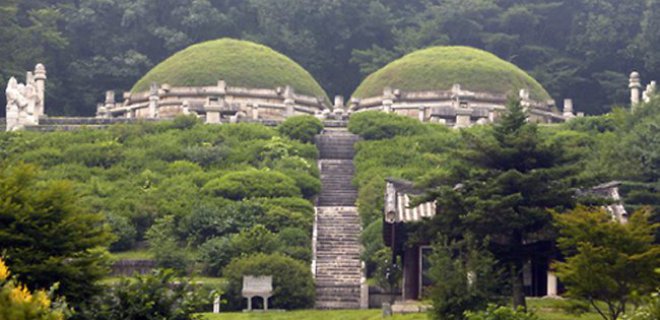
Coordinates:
[197,196]
[575,48]
[602,149]
[438,68]
[240,63]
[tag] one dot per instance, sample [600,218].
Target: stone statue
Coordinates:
[22,100]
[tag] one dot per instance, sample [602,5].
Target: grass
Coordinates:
[438,68]
[546,309]
[239,63]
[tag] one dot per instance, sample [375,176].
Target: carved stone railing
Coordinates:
[455,107]
[215,102]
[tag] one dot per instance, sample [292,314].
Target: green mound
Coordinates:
[240,63]
[438,68]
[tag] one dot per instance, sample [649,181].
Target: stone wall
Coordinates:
[214,102]
[455,107]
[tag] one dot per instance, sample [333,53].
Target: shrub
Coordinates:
[278,218]
[124,232]
[102,154]
[309,186]
[252,184]
[18,303]
[296,243]
[215,254]
[464,278]
[257,239]
[293,286]
[302,128]
[500,313]
[154,296]
[376,125]
[185,122]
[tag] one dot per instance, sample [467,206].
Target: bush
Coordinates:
[464,278]
[214,255]
[257,239]
[124,231]
[296,243]
[309,186]
[376,125]
[500,313]
[302,128]
[18,303]
[293,286]
[252,184]
[154,296]
[102,154]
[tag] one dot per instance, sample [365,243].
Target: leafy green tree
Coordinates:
[500,186]
[48,237]
[293,285]
[153,296]
[302,128]
[607,262]
[465,278]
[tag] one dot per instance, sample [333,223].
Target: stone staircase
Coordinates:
[338,269]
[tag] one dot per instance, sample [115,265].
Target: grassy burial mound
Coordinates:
[438,68]
[240,63]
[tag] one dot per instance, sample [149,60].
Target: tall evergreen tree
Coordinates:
[501,186]
[46,237]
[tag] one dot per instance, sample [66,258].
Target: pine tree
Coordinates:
[501,186]
[46,237]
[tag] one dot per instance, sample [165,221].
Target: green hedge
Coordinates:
[376,125]
[252,184]
[302,128]
[293,286]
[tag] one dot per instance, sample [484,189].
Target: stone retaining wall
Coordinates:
[130,267]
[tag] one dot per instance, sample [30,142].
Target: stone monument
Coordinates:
[257,287]
[25,102]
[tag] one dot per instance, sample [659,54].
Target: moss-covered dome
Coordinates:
[438,68]
[240,63]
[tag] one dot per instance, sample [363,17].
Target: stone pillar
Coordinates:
[635,89]
[289,102]
[364,288]
[101,112]
[32,98]
[185,107]
[568,109]
[339,102]
[552,284]
[388,100]
[153,100]
[255,112]
[463,118]
[222,87]
[421,113]
[216,304]
[110,101]
[40,84]
[212,116]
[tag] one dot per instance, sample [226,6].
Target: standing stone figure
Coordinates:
[16,105]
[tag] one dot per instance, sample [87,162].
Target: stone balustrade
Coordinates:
[455,107]
[214,102]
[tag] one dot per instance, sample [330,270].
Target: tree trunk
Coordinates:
[517,276]
[518,286]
